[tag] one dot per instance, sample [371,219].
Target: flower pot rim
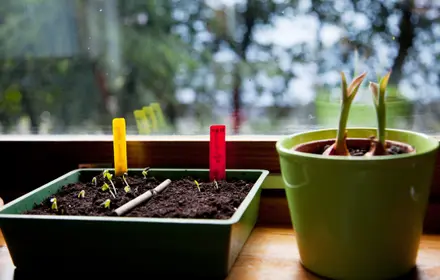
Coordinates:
[283,151]
[235,218]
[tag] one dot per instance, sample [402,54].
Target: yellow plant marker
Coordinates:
[149,112]
[119,146]
[142,122]
[160,117]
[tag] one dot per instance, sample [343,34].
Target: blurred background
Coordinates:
[176,67]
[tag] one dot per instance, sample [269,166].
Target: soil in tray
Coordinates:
[181,199]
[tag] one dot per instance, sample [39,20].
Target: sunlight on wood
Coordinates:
[271,253]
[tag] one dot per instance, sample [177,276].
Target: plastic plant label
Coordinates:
[158,112]
[150,114]
[217,152]
[141,122]
[119,146]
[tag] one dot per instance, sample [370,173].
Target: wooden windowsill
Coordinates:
[271,253]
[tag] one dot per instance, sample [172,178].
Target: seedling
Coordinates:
[145,172]
[109,177]
[106,187]
[94,181]
[125,180]
[127,189]
[348,94]
[106,203]
[82,194]
[215,184]
[54,205]
[378,92]
[197,184]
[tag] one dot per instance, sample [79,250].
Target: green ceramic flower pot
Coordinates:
[167,246]
[358,218]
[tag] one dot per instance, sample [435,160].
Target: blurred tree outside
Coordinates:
[73,65]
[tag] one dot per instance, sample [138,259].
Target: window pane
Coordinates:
[258,66]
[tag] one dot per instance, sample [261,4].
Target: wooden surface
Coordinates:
[271,253]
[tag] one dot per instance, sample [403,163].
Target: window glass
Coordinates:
[176,67]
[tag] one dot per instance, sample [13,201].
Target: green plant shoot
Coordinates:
[145,172]
[94,181]
[127,189]
[215,184]
[109,177]
[54,205]
[106,203]
[125,180]
[378,92]
[197,184]
[82,194]
[105,187]
[348,94]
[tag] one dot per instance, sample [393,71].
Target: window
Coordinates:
[260,67]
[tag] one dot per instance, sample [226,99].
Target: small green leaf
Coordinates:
[82,194]
[106,203]
[197,184]
[105,187]
[108,176]
[127,189]
[54,204]
[145,172]
[125,181]
[375,90]
[383,84]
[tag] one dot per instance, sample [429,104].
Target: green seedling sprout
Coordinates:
[106,187]
[106,203]
[339,148]
[215,184]
[197,184]
[94,181]
[145,172]
[378,92]
[127,187]
[109,177]
[82,194]
[54,205]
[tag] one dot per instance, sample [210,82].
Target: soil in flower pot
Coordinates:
[356,147]
[181,199]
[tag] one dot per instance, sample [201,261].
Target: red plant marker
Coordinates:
[217,152]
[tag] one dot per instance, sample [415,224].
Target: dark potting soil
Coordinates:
[180,199]
[392,150]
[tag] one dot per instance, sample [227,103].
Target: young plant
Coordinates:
[54,205]
[215,184]
[378,92]
[106,203]
[94,181]
[106,187]
[127,187]
[82,194]
[339,148]
[145,172]
[197,185]
[109,177]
